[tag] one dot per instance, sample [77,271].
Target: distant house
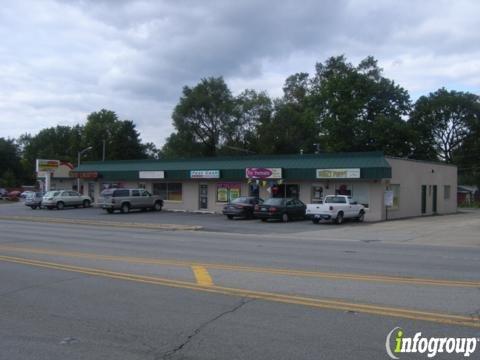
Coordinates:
[467,194]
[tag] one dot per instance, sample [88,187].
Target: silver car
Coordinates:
[61,198]
[127,199]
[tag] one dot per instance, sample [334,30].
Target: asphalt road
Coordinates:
[85,292]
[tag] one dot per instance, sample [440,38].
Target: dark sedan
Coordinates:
[241,207]
[284,209]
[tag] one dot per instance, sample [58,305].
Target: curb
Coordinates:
[171,227]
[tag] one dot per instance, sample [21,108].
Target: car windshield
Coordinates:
[107,192]
[241,200]
[335,200]
[52,193]
[274,201]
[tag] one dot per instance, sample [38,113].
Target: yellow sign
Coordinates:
[47,165]
[338,173]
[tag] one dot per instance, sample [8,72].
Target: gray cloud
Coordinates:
[60,60]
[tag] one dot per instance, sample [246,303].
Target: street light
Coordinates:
[80,153]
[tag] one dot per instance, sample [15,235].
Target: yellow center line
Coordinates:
[450,319]
[202,276]
[273,271]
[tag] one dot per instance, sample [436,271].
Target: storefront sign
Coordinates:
[263,173]
[86,175]
[388,198]
[338,173]
[204,174]
[47,165]
[151,174]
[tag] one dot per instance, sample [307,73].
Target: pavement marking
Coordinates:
[240,268]
[202,276]
[450,319]
[122,224]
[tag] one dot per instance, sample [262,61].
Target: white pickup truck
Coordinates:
[335,208]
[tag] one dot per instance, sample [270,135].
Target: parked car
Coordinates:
[34,200]
[26,194]
[127,199]
[283,209]
[3,193]
[13,195]
[336,208]
[242,206]
[61,198]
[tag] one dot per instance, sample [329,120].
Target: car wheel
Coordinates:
[60,205]
[285,217]
[157,206]
[229,217]
[110,211]
[315,221]
[339,218]
[264,220]
[361,216]
[33,207]
[125,208]
[86,203]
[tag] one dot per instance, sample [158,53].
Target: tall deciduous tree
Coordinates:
[203,118]
[359,109]
[10,168]
[442,121]
[122,140]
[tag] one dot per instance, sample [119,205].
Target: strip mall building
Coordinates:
[388,187]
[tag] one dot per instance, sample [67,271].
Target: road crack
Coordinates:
[38,286]
[199,329]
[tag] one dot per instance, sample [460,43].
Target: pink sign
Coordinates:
[263,173]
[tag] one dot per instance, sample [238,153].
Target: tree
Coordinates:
[203,117]
[358,109]
[10,169]
[251,110]
[442,122]
[122,140]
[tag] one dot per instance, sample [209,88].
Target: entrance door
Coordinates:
[203,197]
[434,199]
[424,199]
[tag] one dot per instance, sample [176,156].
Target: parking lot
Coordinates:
[460,229]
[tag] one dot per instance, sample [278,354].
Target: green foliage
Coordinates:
[358,109]
[10,167]
[443,122]
[203,117]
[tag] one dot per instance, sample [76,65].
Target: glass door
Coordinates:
[203,197]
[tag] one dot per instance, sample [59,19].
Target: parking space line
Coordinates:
[241,268]
[450,319]
[202,276]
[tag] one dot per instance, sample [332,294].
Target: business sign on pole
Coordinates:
[47,165]
[263,173]
[338,173]
[151,174]
[204,174]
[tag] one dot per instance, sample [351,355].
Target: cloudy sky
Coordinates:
[61,60]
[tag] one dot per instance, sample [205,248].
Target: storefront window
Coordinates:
[254,190]
[227,192]
[317,194]
[343,189]
[168,191]
[446,192]
[360,193]
[396,195]
[285,190]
